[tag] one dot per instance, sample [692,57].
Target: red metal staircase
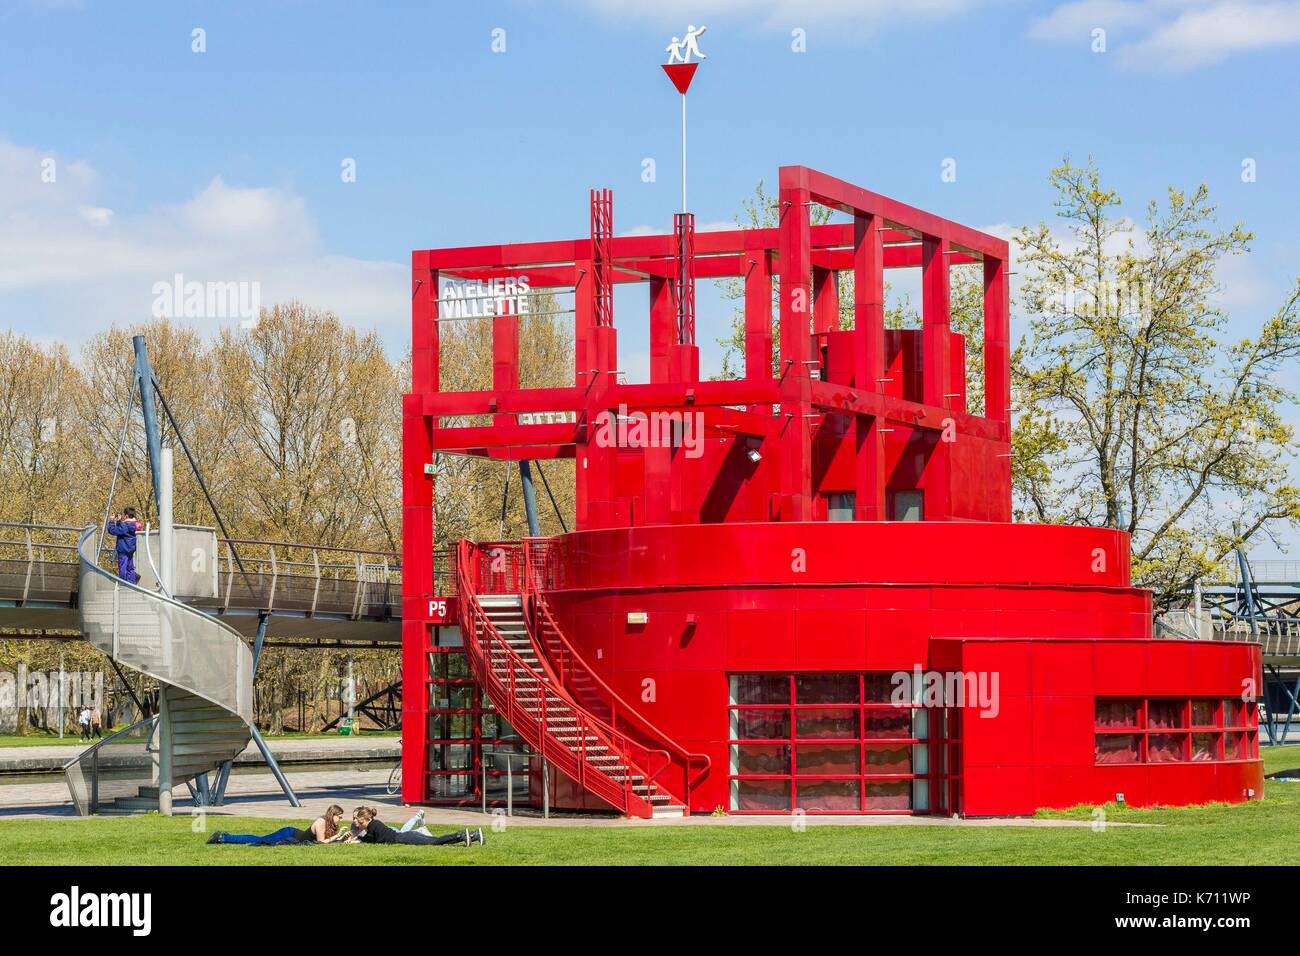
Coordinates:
[560,707]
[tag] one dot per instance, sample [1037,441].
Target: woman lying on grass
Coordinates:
[368,828]
[324,829]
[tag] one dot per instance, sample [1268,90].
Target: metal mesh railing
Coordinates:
[165,639]
[116,767]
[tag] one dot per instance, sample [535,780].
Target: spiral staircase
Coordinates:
[205,671]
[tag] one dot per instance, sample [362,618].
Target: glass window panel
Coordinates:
[892,795]
[887,758]
[831,722]
[920,758]
[921,794]
[1203,713]
[1117,713]
[446,786]
[1232,747]
[826,689]
[1205,746]
[762,795]
[462,726]
[1164,714]
[920,723]
[877,688]
[830,795]
[760,724]
[891,724]
[1251,746]
[1166,748]
[1117,748]
[457,666]
[839,506]
[761,758]
[1232,713]
[437,726]
[460,696]
[760,689]
[827,759]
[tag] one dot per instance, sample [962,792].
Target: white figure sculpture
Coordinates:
[675,52]
[692,43]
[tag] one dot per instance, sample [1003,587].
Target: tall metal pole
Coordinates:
[166,578]
[530,498]
[683,152]
[153,438]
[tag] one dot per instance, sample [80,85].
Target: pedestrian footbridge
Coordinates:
[310,594]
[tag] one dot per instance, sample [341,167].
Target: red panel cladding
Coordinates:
[1063,731]
[831,640]
[761,640]
[1061,668]
[1120,669]
[1001,739]
[897,639]
[997,791]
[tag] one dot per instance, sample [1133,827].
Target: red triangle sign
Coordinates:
[681,74]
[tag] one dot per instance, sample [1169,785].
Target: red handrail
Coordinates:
[572,667]
[486,649]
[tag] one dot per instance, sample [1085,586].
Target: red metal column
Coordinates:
[417,588]
[417,530]
[869,363]
[663,333]
[758,315]
[997,372]
[796,276]
[997,344]
[936,386]
[663,321]
[826,302]
[424,328]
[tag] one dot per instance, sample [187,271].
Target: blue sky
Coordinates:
[226,164]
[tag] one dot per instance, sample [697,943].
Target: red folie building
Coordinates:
[801,589]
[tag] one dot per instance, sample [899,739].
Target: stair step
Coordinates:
[667,810]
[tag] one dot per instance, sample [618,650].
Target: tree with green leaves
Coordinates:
[1134,408]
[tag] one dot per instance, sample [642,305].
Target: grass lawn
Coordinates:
[1259,832]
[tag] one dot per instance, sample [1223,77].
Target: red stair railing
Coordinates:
[676,770]
[489,653]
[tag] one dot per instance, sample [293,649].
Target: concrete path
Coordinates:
[255,795]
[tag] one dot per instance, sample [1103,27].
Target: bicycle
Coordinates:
[395,779]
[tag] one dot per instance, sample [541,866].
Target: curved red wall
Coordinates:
[1048,608]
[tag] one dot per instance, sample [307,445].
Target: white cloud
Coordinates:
[1174,35]
[71,265]
[1205,36]
[782,14]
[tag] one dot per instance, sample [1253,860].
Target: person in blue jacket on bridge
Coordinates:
[124,528]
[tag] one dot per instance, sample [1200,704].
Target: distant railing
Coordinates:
[1265,571]
[38,566]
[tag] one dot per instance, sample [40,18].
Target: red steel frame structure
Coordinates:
[703,578]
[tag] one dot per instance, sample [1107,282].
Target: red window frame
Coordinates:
[1231,721]
[941,742]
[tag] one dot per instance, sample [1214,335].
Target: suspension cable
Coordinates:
[112,488]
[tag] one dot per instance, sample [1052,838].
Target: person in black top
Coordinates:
[368,828]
